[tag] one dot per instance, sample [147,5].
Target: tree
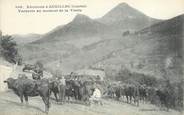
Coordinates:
[8,50]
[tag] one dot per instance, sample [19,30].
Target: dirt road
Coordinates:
[10,105]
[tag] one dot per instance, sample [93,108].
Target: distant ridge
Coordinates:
[170,26]
[80,26]
[121,18]
[25,39]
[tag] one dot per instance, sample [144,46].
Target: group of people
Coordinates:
[73,87]
[76,88]
[37,72]
[89,91]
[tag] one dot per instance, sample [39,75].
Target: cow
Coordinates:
[118,92]
[132,92]
[143,90]
[85,91]
[69,90]
[74,89]
[136,95]
[54,87]
[151,95]
[24,87]
[164,97]
[28,67]
[76,85]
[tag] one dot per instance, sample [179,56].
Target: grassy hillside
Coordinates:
[82,43]
[46,52]
[145,51]
[25,39]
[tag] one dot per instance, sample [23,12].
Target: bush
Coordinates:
[8,50]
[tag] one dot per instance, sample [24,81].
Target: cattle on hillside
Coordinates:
[78,90]
[143,90]
[164,97]
[24,87]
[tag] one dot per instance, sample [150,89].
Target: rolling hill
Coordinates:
[149,48]
[145,51]
[25,39]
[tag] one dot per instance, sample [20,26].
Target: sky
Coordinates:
[13,22]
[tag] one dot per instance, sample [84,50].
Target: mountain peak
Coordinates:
[124,13]
[81,18]
[123,5]
[123,10]
[124,16]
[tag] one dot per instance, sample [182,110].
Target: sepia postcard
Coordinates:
[91,57]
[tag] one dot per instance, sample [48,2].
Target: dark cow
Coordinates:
[152,96]
[143,90]
[24,87]
[85,91]
[76,87]
[53,86]
[29,67]
[118,92]
[69,91]
[132,93]
[164,97]
[136,95]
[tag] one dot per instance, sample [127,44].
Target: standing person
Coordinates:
[62,87]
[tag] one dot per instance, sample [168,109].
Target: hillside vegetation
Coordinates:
[84,42]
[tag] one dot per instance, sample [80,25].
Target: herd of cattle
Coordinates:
[139,93]
[166,96]
[24,87]
[81,90]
